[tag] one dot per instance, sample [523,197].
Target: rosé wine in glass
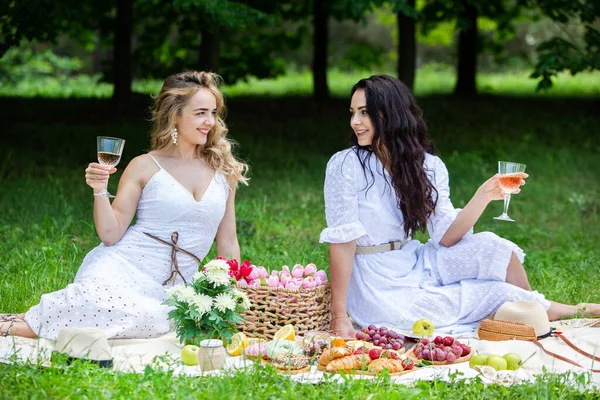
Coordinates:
[509,181]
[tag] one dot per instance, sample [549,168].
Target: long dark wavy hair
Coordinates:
[400,142]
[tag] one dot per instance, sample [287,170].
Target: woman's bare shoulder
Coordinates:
[142,168]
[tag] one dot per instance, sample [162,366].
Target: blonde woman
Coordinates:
[183,192]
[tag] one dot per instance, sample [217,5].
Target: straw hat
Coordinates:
[525,312]
[89,344]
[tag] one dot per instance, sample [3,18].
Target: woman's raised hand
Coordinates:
[491,189]
[97,174]
[342,327]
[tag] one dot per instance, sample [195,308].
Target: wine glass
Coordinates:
[109,153]
[509,181]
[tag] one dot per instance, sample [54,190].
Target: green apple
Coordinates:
[479,359]
[497,362]
[423,327]
[189,354]
[513,361]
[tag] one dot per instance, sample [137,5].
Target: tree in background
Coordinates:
[234,39]
[46,20]
[568,53]
[320,19]
[123,77]
[406,19]
[466,14]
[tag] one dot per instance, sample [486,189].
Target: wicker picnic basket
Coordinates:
[272,308]
[504,330]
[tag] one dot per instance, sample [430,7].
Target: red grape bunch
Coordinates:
[382,337]
[441,349]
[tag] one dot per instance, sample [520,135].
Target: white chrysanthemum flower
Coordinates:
[220,265]
[243,296]
[217,272]
[186,293]
[224,302]
[197,275]
[203,303]
[173,291]
[218,277]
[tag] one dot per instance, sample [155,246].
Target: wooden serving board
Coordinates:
[292,371]
[369,373]
[287,371]
[459,360]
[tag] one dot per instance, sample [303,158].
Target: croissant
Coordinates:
[348,363]
[333,353]
[324,358]
[386,363]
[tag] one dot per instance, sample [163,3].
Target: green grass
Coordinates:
[430,79]
[46,221]
[81,381]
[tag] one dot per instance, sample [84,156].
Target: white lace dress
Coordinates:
[450,286]
[119,289]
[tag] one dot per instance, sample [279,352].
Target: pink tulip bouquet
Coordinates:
[299,277]
[275,305]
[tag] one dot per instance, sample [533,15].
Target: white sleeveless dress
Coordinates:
[451,286]
[119,288]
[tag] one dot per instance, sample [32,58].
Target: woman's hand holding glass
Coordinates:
[508,180]
[492,190]
[96,176]
[109,155]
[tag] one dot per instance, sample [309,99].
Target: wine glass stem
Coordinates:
[106,186]
[506,203]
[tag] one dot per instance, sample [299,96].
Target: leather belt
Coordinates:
[381,248]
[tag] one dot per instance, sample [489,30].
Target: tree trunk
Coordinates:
[320,44]
[466,84]
[210,50]
[122,54]
[407,48]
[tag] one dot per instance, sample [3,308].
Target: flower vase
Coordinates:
[211,355]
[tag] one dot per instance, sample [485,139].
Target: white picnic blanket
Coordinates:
[133,355]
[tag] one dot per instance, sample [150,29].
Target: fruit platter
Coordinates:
[440,351]
[290,354]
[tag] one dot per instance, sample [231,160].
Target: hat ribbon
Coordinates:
[565,359]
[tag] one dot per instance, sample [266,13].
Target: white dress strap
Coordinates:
[159,166]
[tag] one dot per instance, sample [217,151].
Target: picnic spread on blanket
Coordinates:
[310,356]
[286,328]
[231,316]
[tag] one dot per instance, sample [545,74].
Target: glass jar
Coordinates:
[211,355]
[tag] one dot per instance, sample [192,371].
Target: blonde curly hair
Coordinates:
[176,91]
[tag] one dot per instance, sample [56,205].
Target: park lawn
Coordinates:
[430,79]
[46,223]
